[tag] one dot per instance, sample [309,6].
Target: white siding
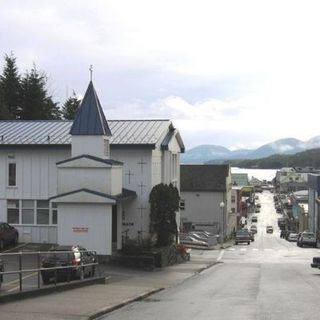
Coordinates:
[97,218]
[36,172]
[137,176]
[71,179]
[93,145]
[202,207]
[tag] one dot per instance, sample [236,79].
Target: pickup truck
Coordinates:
[242,236]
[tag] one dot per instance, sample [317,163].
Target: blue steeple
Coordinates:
[90,119]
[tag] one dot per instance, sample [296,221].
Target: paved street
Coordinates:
[268,279]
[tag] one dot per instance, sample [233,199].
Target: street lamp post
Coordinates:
[222,205]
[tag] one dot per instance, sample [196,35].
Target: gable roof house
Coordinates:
[206,198]
[85,181]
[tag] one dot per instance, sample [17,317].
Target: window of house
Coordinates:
[174,166]
[27,212]
[233,199]
[182,204]
[106,148]
[233,210]
[42,212]
[54,213]
[13,211]
[12,175]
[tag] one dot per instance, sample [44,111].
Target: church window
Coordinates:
[27,213]
[54,213]
[13,211]
[12,175]
[42,212]
[106,148]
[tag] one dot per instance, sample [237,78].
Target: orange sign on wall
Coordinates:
[80,229]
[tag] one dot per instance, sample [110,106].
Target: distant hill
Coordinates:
[217,154]
[309,158]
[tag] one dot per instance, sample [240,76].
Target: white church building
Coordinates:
[85,181]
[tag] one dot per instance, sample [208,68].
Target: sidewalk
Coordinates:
[123,286]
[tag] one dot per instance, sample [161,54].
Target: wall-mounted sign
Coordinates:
[80,229]
[127,223]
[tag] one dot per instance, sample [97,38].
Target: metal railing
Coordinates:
[40,257]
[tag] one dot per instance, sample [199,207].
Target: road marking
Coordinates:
[17,247]
[267,249]
[231,249]
[23,278]
[255,249]
[243,249]
[220,255]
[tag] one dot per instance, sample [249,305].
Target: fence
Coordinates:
[58,263]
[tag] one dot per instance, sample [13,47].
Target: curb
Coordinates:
[207,267]
[139,297]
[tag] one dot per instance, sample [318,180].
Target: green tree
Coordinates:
[164,203]
[36,104]
[70,107]
[10,89]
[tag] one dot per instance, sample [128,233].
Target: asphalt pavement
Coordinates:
[122,286]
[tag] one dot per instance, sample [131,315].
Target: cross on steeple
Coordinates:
[91,71]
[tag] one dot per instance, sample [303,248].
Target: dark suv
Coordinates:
[68,262]
[242,236]
[8,234]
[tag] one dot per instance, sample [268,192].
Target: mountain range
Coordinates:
[217,154]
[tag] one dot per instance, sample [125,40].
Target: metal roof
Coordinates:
[56,132]
[90,119]
[204,177]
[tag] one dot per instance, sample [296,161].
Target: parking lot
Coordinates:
[25,256]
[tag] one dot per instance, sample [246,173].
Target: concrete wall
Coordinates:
[89,225]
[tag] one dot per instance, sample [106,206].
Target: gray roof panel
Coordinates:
[56,132]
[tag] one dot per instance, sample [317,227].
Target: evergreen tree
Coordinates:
[70,107]
[164,203]
[36,104]
[10,89]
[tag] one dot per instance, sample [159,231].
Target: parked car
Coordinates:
[242,236]
[253,228]
[315,262]
[251,236]
[189,240]
[254,219]
[77,260]
[292,237]
[8,234]
[269,229]
[307,238]
[200,237]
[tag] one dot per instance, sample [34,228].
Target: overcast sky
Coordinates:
[232,73]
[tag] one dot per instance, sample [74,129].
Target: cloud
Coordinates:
[235,73]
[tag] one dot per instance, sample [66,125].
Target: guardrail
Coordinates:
[39,258]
